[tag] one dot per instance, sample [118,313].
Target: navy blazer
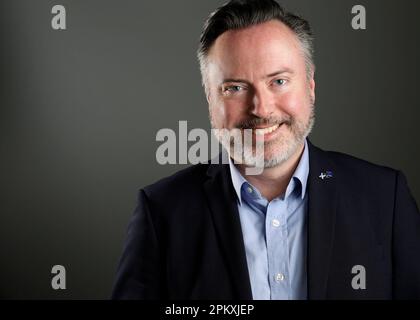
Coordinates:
[185,241]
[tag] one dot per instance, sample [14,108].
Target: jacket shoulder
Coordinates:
[186,181]
[367,177]
[353,165]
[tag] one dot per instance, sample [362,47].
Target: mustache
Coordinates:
[271,121]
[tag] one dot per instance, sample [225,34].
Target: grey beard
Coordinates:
[299,132]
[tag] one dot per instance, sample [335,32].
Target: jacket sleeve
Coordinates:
[406,243]
[139,267]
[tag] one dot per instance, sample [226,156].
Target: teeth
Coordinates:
[266,130]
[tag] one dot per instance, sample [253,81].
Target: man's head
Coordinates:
[257,69]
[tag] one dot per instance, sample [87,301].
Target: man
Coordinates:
[311,225]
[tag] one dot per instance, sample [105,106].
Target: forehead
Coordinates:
[256,50]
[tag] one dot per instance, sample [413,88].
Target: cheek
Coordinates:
[295,104]
[227,113]
[291,103]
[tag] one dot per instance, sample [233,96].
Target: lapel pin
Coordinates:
[326,175]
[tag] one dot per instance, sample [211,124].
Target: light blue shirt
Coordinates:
[275,235]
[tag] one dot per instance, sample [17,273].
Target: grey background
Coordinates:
[80,109]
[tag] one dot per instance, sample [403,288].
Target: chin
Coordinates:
[278,154]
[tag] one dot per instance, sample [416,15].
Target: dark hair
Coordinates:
[239,14]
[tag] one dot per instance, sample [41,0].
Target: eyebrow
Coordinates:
[275,73]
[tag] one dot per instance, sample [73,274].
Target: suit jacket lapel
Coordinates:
[222,202]
[322,203]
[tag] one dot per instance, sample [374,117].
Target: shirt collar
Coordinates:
[301,174]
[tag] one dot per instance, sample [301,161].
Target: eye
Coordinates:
[280,82]
[233,89]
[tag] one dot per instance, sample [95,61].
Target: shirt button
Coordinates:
[275,223]
[279,277]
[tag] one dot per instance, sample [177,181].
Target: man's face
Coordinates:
[257,78]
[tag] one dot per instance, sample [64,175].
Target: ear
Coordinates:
[312,88]
[207,96]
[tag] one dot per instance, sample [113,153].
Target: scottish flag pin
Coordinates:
[326,175]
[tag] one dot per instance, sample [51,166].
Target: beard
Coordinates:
[276,151]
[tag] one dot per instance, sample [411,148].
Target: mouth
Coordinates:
[268,133]
[264,131]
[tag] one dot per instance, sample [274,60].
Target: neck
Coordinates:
[273,182]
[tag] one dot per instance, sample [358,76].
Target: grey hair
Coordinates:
[240,14]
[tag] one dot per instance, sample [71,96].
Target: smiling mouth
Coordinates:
[263,131]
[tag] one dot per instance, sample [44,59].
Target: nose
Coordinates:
[262,103]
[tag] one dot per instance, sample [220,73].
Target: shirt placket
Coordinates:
[277,249]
